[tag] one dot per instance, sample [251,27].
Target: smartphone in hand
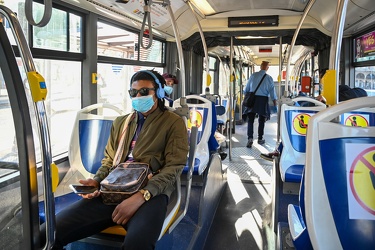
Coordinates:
[79,189]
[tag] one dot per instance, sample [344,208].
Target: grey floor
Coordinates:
[242,219]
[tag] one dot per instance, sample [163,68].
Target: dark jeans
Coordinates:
[250,125]
[90,216]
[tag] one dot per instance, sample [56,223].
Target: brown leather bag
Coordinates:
[123,181]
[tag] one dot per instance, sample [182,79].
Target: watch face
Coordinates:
[146,195]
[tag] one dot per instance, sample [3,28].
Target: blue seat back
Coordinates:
[89,138]
[339,180]
[294,122]
[223,117]
[93,137]
[201,113]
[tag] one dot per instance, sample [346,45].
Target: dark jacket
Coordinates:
[261,107]
[162,143]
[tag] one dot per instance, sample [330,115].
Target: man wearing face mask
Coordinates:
[155,136]
[170,80]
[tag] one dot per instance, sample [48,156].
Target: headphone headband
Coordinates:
[160,91]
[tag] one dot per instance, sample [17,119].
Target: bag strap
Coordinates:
[259,83]
[120,149]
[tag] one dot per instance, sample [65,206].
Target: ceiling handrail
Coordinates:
[208,77]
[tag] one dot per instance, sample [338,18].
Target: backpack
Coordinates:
[347,93]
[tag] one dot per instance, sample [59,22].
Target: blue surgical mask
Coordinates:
[168,90]
[143,103]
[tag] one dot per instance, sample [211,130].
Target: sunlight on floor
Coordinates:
[236,187]
[265,192]
[258,169]
[234,139]
[251,222]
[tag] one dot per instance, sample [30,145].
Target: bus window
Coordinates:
[365,78]
[114,82]
[63,99]
[8,147]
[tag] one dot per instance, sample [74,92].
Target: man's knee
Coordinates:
[137,241]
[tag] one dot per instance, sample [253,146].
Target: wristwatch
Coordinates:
[146,194]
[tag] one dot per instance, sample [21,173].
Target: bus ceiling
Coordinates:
[221,19]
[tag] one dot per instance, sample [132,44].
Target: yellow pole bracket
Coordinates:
[329,87]
[38,86]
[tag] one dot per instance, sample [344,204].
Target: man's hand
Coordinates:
[90,182]
[127,208]
[274,109]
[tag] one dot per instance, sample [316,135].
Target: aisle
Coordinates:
[241,221]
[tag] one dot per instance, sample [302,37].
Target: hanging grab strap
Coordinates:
[146,18]
[46,15]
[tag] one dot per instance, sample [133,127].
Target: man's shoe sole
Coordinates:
[266,157]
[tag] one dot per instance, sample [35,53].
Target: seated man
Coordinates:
[155,136]
[170,80]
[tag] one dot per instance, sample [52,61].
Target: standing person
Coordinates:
[261,107]
[155,136]
[170,80]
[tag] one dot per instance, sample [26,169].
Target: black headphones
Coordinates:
[160,91]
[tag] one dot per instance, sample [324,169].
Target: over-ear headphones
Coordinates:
[160,91]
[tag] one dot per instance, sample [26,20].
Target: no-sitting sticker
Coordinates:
[300,122]
[360,167]
[196,119]
[356,120]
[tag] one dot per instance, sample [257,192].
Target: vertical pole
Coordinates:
[279,87]
[231,102]
[308,7]
[336,41]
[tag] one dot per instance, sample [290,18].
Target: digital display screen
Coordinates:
[253,21]
[364,47]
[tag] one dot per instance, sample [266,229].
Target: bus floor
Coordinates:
[242,220]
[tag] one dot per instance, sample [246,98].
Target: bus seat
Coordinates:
[97,145]
[339,188]
[88,140]
[294,121]
[223,118]
[297,221]
[213,145]
[220,111]
[201,110]
[89,137]
[297,227]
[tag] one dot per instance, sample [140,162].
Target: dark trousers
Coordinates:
[90,216]
[250,125]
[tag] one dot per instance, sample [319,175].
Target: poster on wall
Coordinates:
[364,47]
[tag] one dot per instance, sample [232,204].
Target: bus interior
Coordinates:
[67,64]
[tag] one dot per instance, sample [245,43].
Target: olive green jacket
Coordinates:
[162,143]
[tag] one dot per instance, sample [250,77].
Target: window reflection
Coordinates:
[116,42]
[365,79]
[63,99]
[8,146]
[54,34]
[114,82]
[120,43]
[61,33]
